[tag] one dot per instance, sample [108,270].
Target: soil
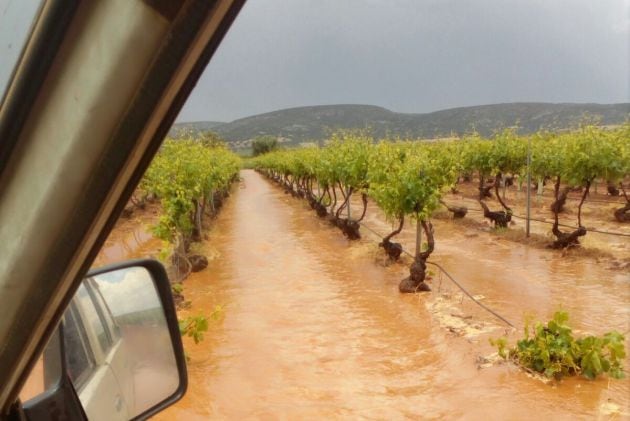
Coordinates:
[598,213]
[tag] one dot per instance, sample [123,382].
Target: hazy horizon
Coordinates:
[415,56]
[401,112]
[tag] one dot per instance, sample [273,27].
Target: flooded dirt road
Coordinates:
[313,326]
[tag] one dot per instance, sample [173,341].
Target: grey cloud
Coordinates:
[416,56]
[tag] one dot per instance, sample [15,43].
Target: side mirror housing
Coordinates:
[118,353]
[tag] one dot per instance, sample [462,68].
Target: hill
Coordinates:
[295,125]
[194,127]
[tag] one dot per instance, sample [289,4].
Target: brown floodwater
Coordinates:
[130,239]
[313,326]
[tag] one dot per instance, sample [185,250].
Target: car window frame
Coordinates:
[196,32]
[104,312]
[90,314]
[29,72]
[85,375]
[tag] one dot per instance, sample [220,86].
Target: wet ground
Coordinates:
[597,214]
[313,326]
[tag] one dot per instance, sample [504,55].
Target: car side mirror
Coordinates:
[118,352]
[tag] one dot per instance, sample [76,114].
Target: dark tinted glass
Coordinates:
[79,361]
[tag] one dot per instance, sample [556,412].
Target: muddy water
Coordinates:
[522,281]
[313,326]
[131,238]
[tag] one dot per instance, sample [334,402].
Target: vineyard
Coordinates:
[322,308]
[191,180]
[408,179]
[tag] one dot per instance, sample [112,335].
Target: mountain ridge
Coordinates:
[316,122]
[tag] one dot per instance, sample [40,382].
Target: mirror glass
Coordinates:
[118,348]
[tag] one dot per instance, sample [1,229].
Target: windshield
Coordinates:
[16,19]
[371,209]
[390,187]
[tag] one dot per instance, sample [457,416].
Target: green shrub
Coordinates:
[553,351]
[177,288]
[195,326]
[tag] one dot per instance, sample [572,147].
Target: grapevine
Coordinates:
[191,180]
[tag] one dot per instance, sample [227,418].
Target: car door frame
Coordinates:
[196,29]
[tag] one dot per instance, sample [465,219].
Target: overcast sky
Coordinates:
[416,55]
